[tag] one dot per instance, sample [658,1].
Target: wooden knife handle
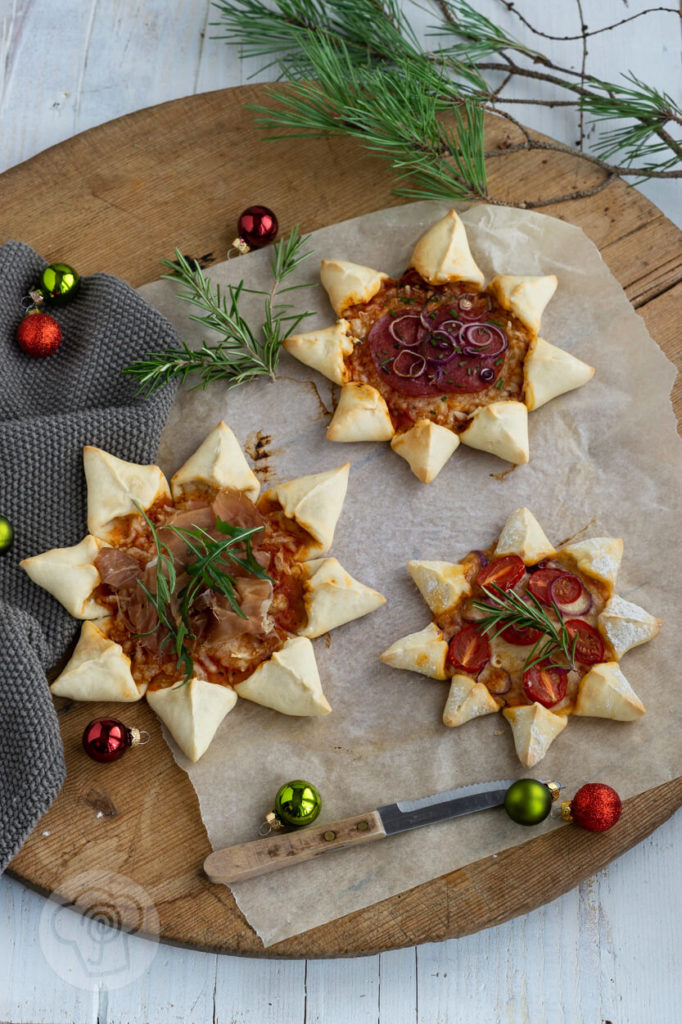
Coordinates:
[246,860]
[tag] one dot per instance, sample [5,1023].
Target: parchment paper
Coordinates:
[605,459]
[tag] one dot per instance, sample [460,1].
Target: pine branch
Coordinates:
[354,68]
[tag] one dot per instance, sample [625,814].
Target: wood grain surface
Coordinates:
[179,175]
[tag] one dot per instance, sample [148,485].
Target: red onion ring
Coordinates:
[453,327]
[486,339]
[415,368]
[448,347]
[487,373]
[393,331]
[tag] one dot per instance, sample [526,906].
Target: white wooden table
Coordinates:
[608,951]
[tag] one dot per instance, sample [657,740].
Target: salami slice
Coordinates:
[437,363]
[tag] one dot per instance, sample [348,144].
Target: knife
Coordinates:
[246,860]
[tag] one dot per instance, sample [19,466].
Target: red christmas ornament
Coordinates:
[105,739]
[257,227]
[595,807]
[39,334]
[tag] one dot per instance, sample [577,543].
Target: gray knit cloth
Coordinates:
[49,409]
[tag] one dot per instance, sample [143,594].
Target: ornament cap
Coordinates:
[555,790]
[241,246]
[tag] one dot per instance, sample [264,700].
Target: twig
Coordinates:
[583,35]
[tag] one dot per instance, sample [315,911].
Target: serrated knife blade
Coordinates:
[246,860]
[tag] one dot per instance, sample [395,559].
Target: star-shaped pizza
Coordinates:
[201,592]
[437,357]
[529,630]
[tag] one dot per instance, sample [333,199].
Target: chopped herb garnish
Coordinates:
[443,398]
[500,384]
[498,361]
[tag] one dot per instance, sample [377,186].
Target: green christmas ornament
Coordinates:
[6,535]
[528,802]
[59,283]
[297,803]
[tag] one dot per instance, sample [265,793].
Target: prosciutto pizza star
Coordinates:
[438,358]
[201,592]
[530,631]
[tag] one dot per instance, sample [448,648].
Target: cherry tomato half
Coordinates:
[566,587]
[503,572]
[469,649]
[521,637]
[589,648]
[545,684]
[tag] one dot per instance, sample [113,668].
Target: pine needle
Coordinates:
[355,68]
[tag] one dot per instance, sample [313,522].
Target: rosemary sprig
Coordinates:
[211,557]
[506,608]
[161,599]
[209,569]
[242,354]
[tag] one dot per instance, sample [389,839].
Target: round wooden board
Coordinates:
[120,198]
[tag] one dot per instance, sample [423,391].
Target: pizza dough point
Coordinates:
[114,486]
[192,712]
[466,700]
[69,574]
[625,625]
[218,463]
[315,503]
[442,254]
[333,597]
[423,652]
[501,429]
[548,371]
[534,728]
[441,584]
[348,284]
[324,350]
[361,415]
[522,535]
[524,296]
[288,682]
[605,693]
[97,670]
[599,557]
[426,447]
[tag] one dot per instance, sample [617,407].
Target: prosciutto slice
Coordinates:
[117,568]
